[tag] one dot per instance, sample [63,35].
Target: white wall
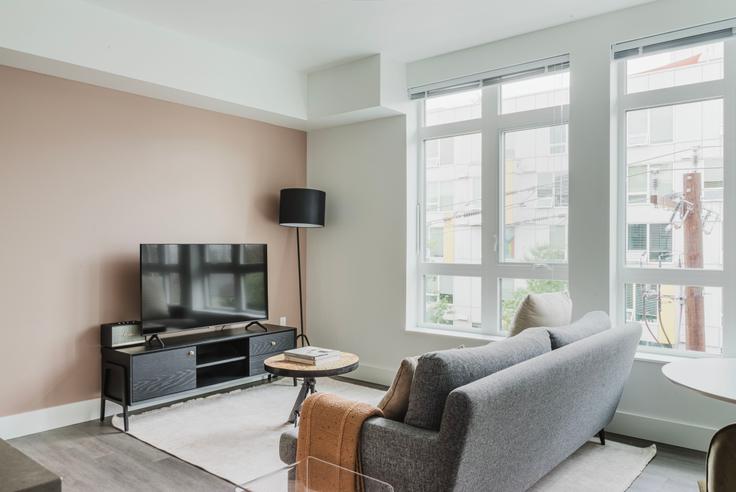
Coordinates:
[344,88]
[356,296]
[357,289]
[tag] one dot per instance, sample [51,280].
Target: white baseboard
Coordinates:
[676,433]
[45,419]
[373,374]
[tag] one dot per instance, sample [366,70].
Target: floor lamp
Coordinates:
[301,207]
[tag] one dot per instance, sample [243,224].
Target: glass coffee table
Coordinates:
[313,475]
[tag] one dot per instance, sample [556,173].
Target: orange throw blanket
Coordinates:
[329,430]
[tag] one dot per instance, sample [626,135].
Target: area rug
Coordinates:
[236,435]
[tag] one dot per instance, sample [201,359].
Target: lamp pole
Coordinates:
[301,306]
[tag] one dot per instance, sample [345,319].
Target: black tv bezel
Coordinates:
[172,329]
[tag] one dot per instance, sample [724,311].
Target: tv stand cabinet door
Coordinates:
[164,373]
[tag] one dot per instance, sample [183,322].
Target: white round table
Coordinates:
[715,378]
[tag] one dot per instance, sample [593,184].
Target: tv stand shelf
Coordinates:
[143,374]
[217,362]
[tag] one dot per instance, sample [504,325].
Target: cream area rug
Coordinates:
[236,436]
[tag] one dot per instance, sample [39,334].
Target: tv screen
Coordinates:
[199,285]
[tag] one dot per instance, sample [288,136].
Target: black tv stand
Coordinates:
[188,366]
[149,340]
[257,323]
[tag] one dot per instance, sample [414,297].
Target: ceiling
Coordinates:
[307,34]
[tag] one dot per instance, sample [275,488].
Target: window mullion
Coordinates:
[729,201]
[556,115]
[450,129]
[490,238]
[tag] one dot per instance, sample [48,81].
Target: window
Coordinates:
[452,206]
[452,301]
[674,68]
[659,176]
[558,139]
[536,93]
[535,190]
[514,290]
[662,310]
[670,265]
[493,197]
[452,107]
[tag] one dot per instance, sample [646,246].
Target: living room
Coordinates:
[367,244]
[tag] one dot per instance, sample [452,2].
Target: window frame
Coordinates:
[668,274]
[492,269]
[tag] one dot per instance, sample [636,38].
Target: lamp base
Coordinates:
[302,335]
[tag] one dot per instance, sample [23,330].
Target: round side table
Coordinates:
[279,366]
[711,377]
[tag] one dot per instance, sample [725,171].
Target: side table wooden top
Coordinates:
[279,366]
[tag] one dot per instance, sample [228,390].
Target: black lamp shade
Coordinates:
[302,207]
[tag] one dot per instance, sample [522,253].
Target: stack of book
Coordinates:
[312,356]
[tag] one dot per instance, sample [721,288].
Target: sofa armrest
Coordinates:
[408,458]
[287,446]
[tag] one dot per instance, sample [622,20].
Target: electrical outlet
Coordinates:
[282,321]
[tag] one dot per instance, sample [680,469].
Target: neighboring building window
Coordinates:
[649,243]
[482,249]
[671,255]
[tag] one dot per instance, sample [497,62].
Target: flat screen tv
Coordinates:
[199,285]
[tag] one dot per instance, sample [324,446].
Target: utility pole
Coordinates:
[693,245]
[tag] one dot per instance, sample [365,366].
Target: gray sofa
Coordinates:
[505,430]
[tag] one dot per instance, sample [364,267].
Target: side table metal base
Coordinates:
[308,387]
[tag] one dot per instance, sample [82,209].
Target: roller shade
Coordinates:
[706,33]
[491,77]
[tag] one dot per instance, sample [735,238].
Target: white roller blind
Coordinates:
[515,72]
[706,33]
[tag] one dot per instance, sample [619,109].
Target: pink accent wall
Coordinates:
[86,174]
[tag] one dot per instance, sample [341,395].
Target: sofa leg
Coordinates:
[602,436]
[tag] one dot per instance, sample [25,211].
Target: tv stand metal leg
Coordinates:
[103,387]
[126,400]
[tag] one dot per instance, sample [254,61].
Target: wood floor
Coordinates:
[96,457]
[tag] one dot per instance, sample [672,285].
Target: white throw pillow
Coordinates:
[549,309]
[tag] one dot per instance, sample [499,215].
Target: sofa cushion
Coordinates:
[438,373]
[547,309]
[590,324]
[396,400]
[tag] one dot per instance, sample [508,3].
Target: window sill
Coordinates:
[421,330]
[662,358]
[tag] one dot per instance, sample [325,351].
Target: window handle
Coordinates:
[495,243]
